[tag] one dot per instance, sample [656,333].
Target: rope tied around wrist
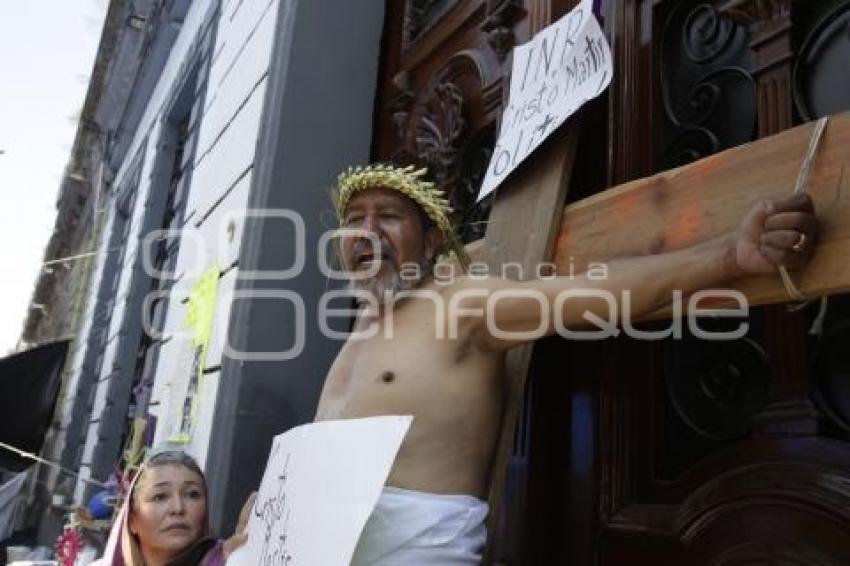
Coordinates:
[800,187]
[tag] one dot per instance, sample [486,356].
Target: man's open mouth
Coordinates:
[368,259]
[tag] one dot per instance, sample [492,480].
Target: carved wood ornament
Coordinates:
[445,116]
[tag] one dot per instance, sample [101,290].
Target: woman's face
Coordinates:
[169,510]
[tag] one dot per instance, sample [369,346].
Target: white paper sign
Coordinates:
[561,68]
[319,488]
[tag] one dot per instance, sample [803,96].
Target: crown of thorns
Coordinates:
[409,182]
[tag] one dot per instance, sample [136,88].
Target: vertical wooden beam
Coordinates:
[533,199]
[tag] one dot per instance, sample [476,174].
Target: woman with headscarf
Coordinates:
[164,519]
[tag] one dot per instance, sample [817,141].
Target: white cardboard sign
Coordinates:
[319,488]
[553,75]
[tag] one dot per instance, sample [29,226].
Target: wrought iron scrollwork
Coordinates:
[706,34]
[707,91]
[717,386]
[821,86]
[821,81]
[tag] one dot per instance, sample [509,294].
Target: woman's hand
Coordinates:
[240,535]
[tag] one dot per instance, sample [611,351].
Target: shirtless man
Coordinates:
[433,510]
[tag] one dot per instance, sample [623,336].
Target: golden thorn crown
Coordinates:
[409,182]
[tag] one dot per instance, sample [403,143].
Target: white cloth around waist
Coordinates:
[408,528]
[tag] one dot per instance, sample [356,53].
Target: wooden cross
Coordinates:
[668,211]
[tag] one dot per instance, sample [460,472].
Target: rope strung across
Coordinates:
[40,460]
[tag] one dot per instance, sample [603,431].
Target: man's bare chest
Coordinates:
[390,371]
[381,363]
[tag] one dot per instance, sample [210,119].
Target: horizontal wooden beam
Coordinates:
[692,204]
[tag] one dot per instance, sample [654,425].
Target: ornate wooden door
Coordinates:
[683,451]
[666,452]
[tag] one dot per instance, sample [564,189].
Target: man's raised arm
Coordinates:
[773,233]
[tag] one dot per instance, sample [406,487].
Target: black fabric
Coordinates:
[194,555]
[29,385]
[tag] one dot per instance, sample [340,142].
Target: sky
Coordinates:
[47,50]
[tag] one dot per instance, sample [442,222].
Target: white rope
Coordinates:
[41,460]
[78,256]
[800,187]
